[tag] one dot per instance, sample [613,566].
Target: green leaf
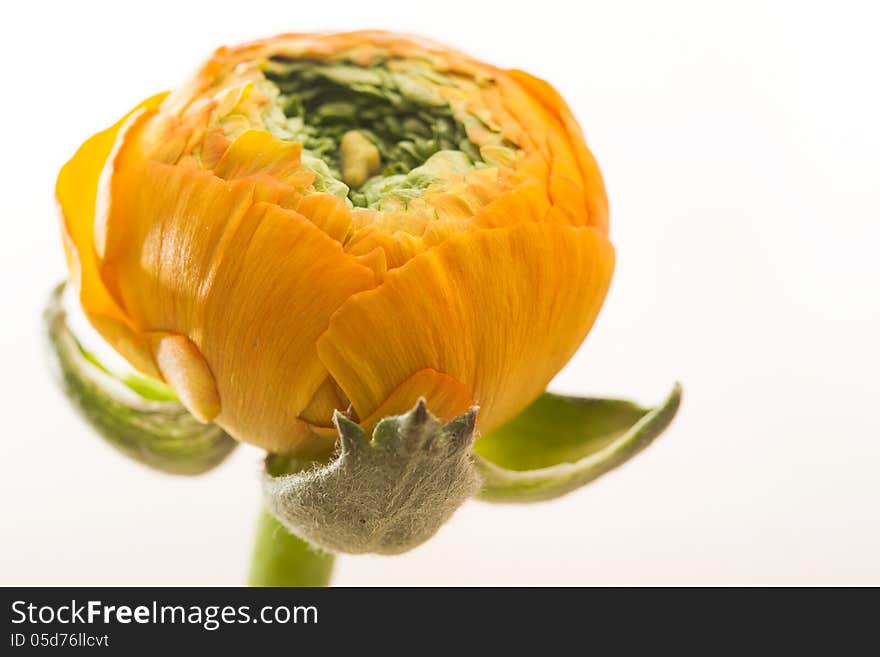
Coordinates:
[134,415]
[559,444]
[282,559]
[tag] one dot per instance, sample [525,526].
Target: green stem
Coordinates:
[282,559]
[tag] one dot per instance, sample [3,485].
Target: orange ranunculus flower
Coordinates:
[314,222]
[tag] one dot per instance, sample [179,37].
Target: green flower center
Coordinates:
[374,132]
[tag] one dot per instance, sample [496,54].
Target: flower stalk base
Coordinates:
[282,559]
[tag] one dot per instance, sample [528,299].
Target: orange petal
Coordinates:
[567,195]
[178,224]
[376,261]
[500,311]
[258,151]
[399,246]
[271,298]
[593,185]
[566,182]
[123,163]
[76,191]
[185,370]
[446,398]
[252,285]
[327,212]
[528,202]
[326,399]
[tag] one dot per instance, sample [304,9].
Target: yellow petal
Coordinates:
[76,191]
[500,311]
[123,163]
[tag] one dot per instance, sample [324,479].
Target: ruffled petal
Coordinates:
[76,190]
[500,311]
[258,151]
[179,224]
[592,183]
[252,285]
[271,299]
[447,398]
[205,254]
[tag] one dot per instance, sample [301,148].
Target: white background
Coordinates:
[741,151]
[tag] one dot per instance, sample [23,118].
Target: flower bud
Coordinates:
[318,222]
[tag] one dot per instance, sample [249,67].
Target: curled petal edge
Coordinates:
[158,433]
